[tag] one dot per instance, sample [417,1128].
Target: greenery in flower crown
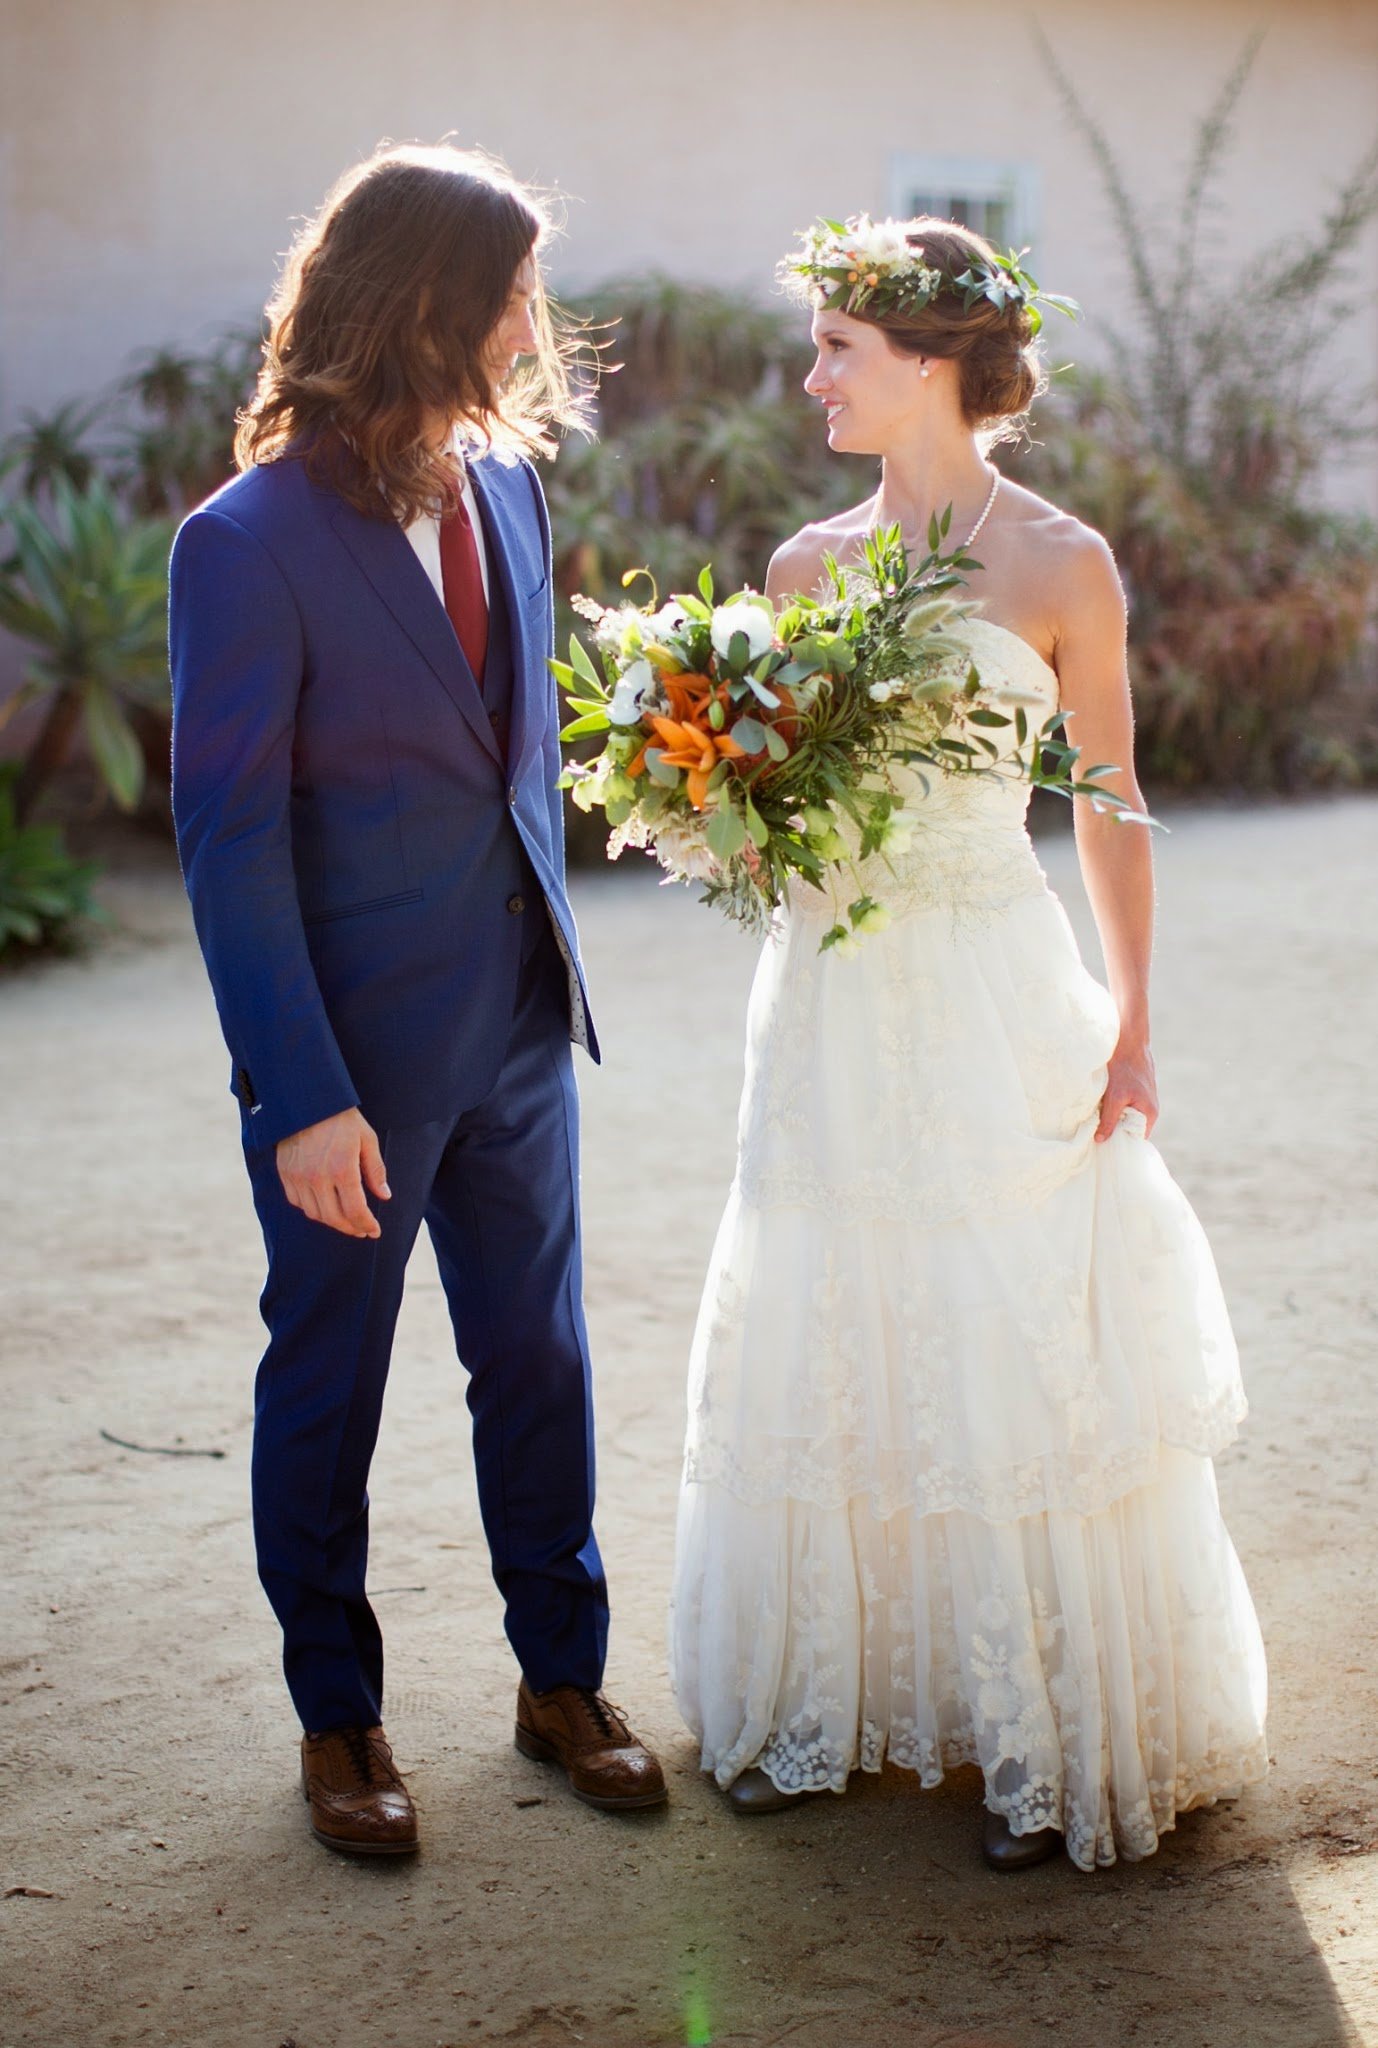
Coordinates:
[860,266]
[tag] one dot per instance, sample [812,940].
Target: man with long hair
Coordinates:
[364,765]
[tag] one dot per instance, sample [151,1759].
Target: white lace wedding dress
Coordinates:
[959,1375]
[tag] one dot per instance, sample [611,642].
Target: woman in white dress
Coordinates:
[962,1361]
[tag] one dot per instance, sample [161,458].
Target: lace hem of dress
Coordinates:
[1080,1485]
[796,1763]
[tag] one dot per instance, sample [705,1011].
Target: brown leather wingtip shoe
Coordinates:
[358,1802]
[589,1739]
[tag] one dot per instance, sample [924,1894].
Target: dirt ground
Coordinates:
[159,1881]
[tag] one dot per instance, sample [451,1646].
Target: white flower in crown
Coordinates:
[753,616]
[882,244]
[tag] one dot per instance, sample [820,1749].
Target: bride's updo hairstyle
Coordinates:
[1000,367]
[935,288]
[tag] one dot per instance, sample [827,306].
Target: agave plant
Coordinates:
[86,586]
[180,408]
[53,445]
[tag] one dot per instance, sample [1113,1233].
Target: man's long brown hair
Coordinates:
[387,302]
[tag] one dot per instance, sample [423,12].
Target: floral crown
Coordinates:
[865,266]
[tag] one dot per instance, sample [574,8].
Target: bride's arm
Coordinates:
[1116,857]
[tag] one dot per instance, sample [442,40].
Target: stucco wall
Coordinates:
[155,153]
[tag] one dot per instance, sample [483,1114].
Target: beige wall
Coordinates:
[155,151]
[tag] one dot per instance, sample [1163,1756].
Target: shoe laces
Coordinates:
[363,1754]
[606,1718]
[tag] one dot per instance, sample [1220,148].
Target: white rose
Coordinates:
[753,616]
[881,693]
[881,243]
[632,685]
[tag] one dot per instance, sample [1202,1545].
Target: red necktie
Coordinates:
[463,580]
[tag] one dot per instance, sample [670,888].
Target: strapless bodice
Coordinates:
[970,850]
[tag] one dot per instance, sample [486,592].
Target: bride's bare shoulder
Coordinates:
[797,564]
[1056,544]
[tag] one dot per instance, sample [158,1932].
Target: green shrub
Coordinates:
[45,895]
[1196,455]
[86,585]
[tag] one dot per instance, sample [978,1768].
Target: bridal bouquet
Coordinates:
[745,749]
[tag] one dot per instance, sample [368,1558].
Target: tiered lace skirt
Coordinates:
[958,1378]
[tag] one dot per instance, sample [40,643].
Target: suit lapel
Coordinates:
[390,563]
[510,549]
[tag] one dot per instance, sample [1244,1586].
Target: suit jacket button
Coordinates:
[516,904]
[512,794]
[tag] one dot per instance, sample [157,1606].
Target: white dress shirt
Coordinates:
[424,535]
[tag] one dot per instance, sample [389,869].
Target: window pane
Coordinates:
[986,215]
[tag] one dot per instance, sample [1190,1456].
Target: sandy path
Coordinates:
[149,1747]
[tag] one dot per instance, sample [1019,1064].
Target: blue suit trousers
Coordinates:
[497,1188]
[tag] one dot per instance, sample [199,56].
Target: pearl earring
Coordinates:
[924,371]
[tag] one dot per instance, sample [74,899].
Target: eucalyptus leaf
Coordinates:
[726,833]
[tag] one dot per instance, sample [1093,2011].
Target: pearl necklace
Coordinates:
[985,513]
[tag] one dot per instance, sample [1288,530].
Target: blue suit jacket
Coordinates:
[350,835]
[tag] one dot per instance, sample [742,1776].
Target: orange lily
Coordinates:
[689,697]
[695,750]
[687,737]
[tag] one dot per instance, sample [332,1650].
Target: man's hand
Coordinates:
[326,1168]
